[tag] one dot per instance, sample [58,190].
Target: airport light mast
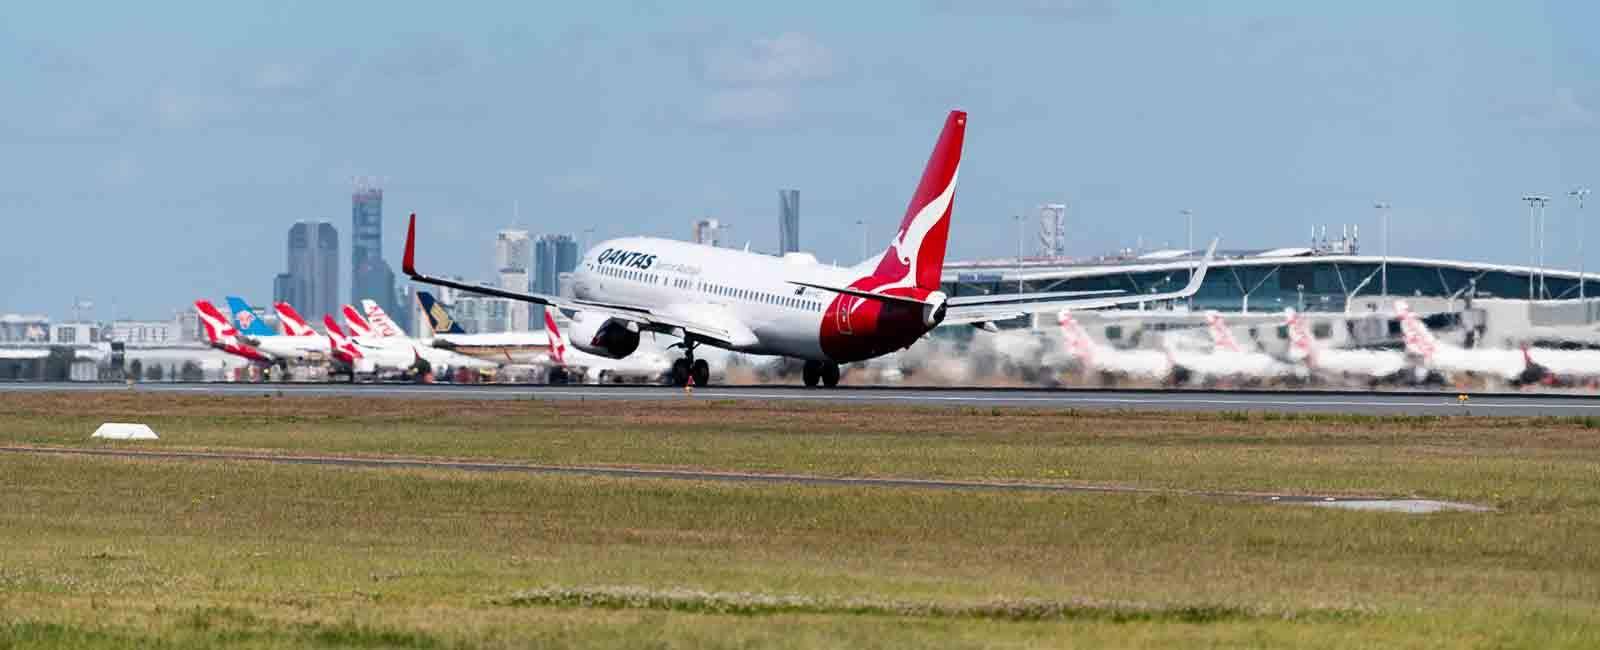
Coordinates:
[1579,194]
[1189,216]
[1383,218]
[1536,205]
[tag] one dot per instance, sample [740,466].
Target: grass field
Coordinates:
[104,552]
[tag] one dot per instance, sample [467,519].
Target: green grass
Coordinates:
[98,552]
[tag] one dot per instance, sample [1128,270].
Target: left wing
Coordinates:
[727,334]
[982,311]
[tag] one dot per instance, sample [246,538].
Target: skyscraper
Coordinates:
[788,221]
[511,251]
[311,282]
[554,255]
[371,276]
[708,232]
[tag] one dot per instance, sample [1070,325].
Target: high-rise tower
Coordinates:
[788,221]
[311,281]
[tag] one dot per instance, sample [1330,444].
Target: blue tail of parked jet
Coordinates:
[246,319]
[438,315]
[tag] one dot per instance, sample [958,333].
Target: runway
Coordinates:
[1360,403]
[1408,505]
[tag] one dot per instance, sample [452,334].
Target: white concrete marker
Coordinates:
[124,431]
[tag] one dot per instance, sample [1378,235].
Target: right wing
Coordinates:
[645,318]
[984,310]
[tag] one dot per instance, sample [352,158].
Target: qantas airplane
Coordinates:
[223,336]
[1372,365]
[290,320]
[1145,364]
[377,329]
[359,359]
[1454,361]
[788,306]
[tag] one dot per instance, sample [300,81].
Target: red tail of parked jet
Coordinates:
[358,325]
[222,335]
[293,324]
[343,349]
[558,345]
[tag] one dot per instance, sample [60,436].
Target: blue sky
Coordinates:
[154,153]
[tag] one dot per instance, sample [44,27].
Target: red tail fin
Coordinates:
[293,324]
[558,345]
[358,325]
[217,327]
[916,256]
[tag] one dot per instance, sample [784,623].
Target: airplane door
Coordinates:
[842,315]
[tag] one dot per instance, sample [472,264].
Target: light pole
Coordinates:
[1579,194]
[1188,216]
[1536,205]
[1018,218]
[1383,228]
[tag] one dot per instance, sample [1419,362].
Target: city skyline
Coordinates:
[1260,119]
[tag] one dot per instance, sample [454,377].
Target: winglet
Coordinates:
[408,263]
[1199,274]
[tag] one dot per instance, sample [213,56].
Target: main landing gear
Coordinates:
[689,367]
[825,371]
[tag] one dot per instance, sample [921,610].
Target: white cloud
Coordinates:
[784,59]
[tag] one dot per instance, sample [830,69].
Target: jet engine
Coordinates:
[604,336]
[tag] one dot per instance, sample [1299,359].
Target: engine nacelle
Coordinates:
[934,309]
[603,336]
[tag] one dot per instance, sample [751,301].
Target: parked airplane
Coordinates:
[789,306]
[375,360]
[1372,365]
[249,323]
[293,324]
[1230,359]
[380,330]
[1457,362]
[1145,364]
[504,347]
[223,336]
[282,347]
[643,366]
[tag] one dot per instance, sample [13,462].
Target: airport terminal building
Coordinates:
[1271,280]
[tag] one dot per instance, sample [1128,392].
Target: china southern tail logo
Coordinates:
[626,258]
[245,318]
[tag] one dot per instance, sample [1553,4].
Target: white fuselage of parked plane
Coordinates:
[297,348]
[746,293]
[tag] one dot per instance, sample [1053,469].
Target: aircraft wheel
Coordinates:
[701,371]
[680,372]
[830,374]
[558,376]
[812,373]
